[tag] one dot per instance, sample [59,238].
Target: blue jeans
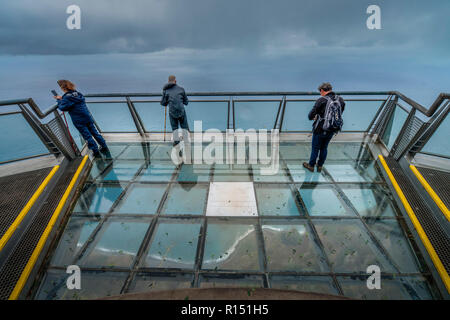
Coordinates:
[320,143]
[89,133]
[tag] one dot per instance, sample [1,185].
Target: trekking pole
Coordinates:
[165,116]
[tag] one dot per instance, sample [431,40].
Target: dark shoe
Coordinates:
[176,143]
[319,169]
[104,150]
[97,154]
[307,166]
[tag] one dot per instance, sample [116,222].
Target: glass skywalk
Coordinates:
[140,224]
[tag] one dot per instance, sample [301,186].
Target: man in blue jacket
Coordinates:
[321,137]
[73,102]
[175,96]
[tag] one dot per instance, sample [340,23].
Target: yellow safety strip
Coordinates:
[13,227]
[37,251]
[434,257]
[431,192]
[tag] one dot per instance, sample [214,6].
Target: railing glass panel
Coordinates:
[256,115]
[152,116]
[112,117]
[438,143]
[394,126]
[18,140]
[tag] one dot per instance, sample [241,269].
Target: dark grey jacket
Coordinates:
[175,97]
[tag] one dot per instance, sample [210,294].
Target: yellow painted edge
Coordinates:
[37,251]
[431,192]
[13,227]
[434,257]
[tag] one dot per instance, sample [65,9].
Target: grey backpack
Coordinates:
[333,115]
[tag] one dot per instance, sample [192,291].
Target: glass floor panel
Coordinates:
[316,284]
[140,225]
[117,245]
[145,282]
[174,245]
[141,199]
[322,201]
[292,248]
[231,247]
[275,200]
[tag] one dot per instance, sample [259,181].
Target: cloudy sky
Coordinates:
[223,45]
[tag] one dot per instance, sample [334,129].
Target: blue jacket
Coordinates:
[175,97]
[74,103]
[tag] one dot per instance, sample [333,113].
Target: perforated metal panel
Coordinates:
[413,126]
[15,191]
[56,130]
[12,269]
[434,231]
[439,181]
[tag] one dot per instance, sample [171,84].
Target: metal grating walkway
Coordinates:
[439,181]
[434,231]
[12,269]
[15,191]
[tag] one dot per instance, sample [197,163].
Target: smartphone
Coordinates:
[54,93]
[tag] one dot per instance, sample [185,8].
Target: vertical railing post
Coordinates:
[135,117]
[282,113]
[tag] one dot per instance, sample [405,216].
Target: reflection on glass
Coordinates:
[322,202]
[349,247]
[74,237]
[93,285]
[194,173]
[295,150]
[348,173]
[158,172]
[117,246]
[142,199]
[161,151]
[137,152]
[438,143]
[231,247]
[301,175]
[394,126]
[370,202]
[147,282]
[389,233]
[314,284]
[173,246]
[112,117]
[256,115]
[292,248]
[18,139]
[121,170]
[275,200]
[238,281]
[348,151]
[280,176]
[98,199]
[398,288]
[185,199]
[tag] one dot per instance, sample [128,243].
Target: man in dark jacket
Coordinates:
[175,96]
[73,102]
[321,137]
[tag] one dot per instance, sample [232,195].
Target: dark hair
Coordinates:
[326,86]
[66,85]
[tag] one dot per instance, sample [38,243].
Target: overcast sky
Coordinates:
[221,45]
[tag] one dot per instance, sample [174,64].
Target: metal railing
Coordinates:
[54,134]
[283,115]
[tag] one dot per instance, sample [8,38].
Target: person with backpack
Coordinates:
[327,116]
[175,96]
[73,102]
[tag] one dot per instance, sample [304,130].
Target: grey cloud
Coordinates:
[38,27]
